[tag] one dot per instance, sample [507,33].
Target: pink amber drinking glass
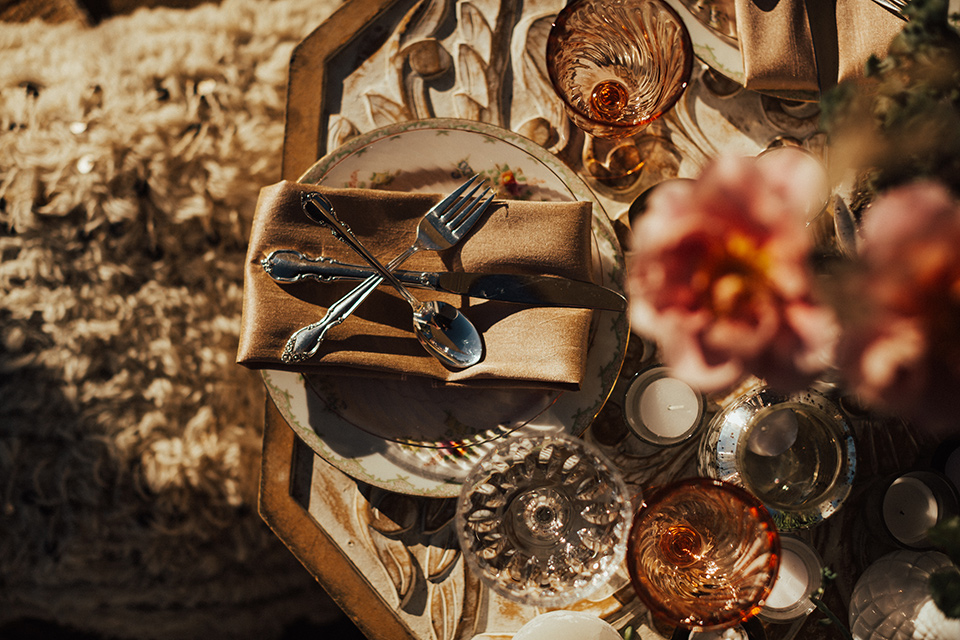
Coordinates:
[703,554]
[618,65]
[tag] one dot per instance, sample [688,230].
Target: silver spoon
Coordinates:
[440,327]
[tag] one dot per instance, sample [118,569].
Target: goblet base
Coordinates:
[623,163]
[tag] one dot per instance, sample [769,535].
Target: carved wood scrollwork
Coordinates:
[417,548]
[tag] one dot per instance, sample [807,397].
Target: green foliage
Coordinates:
[945,583]
[945,588]
[831,619]
[946,537]
[905,114]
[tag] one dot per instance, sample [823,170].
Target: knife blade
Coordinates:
[287,265]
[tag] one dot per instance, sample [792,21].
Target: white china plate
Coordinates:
[720,53]
[349,422]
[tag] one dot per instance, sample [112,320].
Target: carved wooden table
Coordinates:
[391,561]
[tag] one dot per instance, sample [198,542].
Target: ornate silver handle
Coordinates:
[288,265]
[306,341]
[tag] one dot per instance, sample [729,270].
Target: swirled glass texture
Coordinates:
[703,554]
[618,65]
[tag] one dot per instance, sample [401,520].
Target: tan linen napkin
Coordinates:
[808,46]
[524,346]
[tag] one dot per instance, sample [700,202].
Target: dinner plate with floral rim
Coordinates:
[416,436]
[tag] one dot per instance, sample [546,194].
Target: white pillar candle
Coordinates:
[910,508]
[662,409]
[567,625]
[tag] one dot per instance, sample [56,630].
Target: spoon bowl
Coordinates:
[447,334]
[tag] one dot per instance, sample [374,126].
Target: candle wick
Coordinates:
[674,407]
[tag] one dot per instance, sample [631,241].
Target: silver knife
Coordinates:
[287,265]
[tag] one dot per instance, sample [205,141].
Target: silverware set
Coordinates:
[440,327]
[288,266]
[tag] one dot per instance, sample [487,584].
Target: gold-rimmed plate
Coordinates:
[414,436]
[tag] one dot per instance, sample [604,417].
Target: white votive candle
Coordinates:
[792,582]
[662,409]
[910,508]
[797,579]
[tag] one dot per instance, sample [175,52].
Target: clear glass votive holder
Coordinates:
[543,519]
[661,409]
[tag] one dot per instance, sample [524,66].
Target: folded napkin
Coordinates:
[524,346]
[808,46]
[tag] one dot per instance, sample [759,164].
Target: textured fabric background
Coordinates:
[131,154]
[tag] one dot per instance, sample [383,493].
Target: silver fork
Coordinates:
[895,7]
[443,226]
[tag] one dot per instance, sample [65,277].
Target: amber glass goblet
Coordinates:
[703,554]
[618,65]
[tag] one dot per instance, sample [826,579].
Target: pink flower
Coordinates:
[901,343]
[719,277]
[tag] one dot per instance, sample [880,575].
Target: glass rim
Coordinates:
[740,494]
[623,128]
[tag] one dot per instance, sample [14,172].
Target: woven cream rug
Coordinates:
[131,155]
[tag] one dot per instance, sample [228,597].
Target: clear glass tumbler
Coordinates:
[543,520]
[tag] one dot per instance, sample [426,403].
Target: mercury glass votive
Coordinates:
[794,451]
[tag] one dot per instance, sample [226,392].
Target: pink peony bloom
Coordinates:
[901,344]
[718,275]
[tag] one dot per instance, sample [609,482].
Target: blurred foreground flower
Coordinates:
[901,333]
[719,277]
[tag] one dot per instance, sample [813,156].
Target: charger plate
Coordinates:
[415,436]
